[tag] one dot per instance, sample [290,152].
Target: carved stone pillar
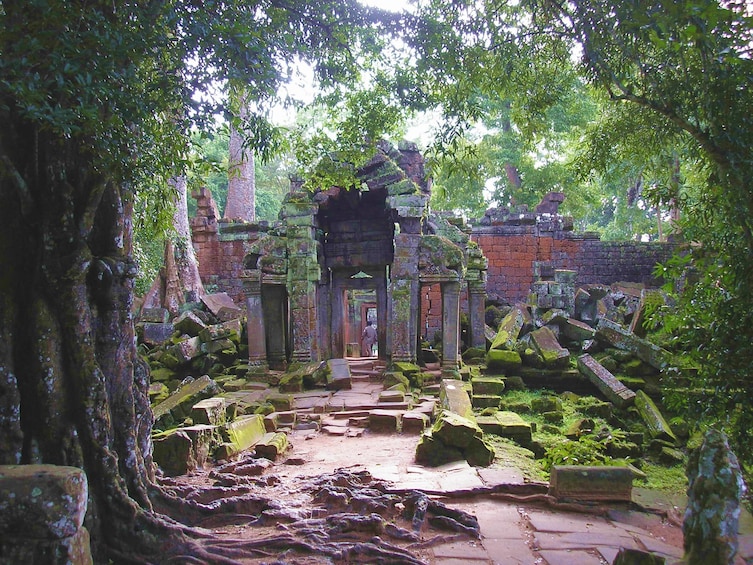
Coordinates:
[402,299]
[450,328]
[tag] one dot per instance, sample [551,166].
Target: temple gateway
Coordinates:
[347,255]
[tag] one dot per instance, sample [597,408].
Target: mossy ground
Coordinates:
[589,449]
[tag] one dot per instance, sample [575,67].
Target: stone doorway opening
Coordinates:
[359,297]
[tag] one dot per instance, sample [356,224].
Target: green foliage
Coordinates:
[585,451]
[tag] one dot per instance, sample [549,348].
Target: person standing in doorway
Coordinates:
[368,339]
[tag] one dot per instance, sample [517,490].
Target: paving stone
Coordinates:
[501,476]
[335,430]
[551,522]
[608,553]
[466,550]
[570,557]
[657,546]
[509,551]
[460,479]
[579,540]
[458,561]
[497,520]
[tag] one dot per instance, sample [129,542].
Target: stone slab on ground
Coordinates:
[570,557]
[589,483]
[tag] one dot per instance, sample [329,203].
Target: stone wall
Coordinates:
[220,246]
[520,253]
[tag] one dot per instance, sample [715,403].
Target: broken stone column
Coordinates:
[42,510]
[476,278]
[715,490]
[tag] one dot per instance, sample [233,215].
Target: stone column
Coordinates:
[450,328]
[257,351]
[477,311]
[304,274]
[403,299]
[477,267]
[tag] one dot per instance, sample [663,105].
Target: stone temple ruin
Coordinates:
[340,257]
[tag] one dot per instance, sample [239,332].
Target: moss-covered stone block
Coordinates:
[503,360]
[239,435]
[433,453]
[479,453]
[454,430]
[177,407]
[272,445]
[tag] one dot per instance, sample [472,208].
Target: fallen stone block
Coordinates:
[183,450]
[575,330]
[272,445]
[42,502]
[385,421]
[227,330]
[415,422]
[338,377]
[178,405]
[657,426]
[548,348]
[187,349]
[509,329]
[155,334]
[507,424]
[281,402]
[154,315]
[591,483]
[223,345]
[454,430]
[241,434]
[488,385]
[454,398]
[433,453]
[189,323]
[479,452]
[72,550]
[210,411]
[503,360]
[392,396]
[486,401]
[216,302]
[620,338]
[605,381]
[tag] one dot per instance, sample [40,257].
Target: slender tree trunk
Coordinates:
[241,190]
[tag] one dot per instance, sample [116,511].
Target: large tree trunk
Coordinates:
[179,280]
[73,389]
